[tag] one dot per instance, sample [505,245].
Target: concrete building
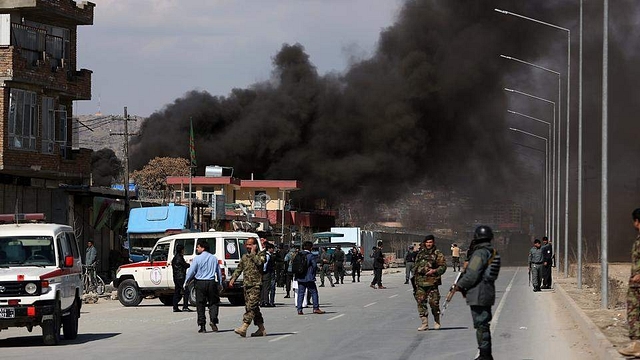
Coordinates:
[228,203]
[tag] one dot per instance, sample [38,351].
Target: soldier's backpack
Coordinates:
[300,266]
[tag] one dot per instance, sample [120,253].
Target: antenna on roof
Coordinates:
[16,210]
[99,113]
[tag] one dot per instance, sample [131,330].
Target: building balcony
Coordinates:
[28,67]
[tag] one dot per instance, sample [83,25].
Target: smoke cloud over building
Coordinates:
[429,105]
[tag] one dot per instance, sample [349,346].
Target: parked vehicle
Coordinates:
[331,248]
[155,276]
[148,224]
[40,279]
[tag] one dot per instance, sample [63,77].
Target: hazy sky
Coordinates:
[146,53]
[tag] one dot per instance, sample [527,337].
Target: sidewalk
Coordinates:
[604,328]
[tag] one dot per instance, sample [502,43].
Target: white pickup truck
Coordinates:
[155,276]
[40,279]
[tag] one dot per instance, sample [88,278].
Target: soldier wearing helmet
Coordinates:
[477,284]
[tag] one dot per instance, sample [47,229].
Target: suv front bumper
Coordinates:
[25,315]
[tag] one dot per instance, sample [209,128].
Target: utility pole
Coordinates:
[126,134]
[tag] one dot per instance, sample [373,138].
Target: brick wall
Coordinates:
[63,84]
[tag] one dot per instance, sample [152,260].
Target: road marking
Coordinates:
[335,317]
[409,290]
[373,303]
[282,337]
[494,321]
[392,296]
[181,320]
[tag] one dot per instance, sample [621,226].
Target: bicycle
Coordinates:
[91,280]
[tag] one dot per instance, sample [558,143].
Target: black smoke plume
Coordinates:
[105,167]
[429,105]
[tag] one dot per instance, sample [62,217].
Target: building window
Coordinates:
[61,137]
[209,196]
[39,41]
[48,125]
[22,119]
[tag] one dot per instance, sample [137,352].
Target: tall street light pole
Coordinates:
[566,193]
[556,171]
[556,139]
[547,176]
[579,210]
[604,226]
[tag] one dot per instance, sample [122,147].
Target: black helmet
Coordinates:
[483,232]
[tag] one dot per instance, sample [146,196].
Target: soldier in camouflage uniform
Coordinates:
[326,260]
[251,264]
[633,295]
[429,266]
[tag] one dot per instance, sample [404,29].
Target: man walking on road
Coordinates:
[378,265]
[268,276]
[409,260]
[288,259]
[477,284]
[308,282]
[338,264]
[356,263]
[206,271]
[547,261]
[633,294]
[251,265]
[536,261]
[325,270]
[455,257]
[179,267]
[429,266]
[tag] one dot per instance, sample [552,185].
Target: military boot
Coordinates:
[425,324]
[242,330]
[260,332]
[632,349]
[437,322]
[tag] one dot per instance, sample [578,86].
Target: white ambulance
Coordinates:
[154,277]
[40,277]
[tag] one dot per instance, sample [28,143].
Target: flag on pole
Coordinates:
[192,147]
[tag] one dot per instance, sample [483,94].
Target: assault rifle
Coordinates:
[452,291]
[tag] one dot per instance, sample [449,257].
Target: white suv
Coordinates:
[155,276]
[40,279]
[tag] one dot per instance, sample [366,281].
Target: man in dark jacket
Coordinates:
[477,284]
[338,264]
[268,275]
[180,266]
[409,260]
[547,258]
[356,263]
[308,282]
[378,265]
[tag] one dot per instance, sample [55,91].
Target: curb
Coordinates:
[603,348]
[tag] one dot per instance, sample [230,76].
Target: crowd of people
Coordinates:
[295,268]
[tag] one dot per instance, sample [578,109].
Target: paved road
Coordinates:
[360,323]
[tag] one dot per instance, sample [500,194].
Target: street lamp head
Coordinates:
[501,11]
[509,90]
[506,57]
